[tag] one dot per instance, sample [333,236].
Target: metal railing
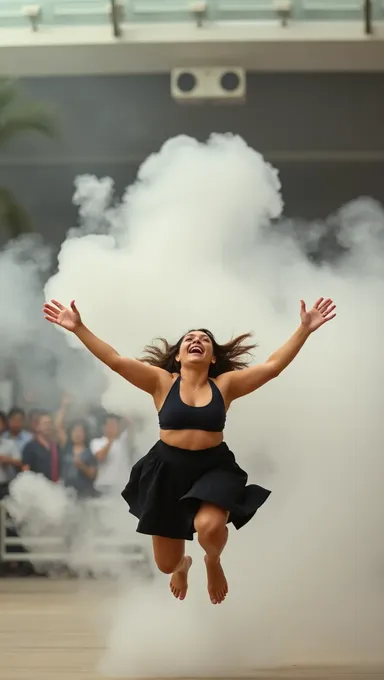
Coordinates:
[117,12]
[102,548]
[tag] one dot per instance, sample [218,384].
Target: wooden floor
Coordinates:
[46,633]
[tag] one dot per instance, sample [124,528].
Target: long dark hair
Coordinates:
[232,356]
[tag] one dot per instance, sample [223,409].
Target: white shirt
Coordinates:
[9,449]
[114,470]
[19,440]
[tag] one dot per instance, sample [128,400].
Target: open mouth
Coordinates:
[195,349]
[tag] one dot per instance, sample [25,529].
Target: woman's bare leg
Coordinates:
[170,559]
[211,526]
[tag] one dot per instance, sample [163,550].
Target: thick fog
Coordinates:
[200,241]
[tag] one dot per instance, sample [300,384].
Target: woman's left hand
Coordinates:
[320,313]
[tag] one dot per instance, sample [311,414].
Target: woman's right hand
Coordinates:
[70,319]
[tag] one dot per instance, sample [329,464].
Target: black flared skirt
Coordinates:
[168,485]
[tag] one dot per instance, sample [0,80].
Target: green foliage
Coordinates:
[17,117]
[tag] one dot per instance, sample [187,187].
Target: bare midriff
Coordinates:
[192,440]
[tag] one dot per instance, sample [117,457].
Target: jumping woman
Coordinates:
[189,481]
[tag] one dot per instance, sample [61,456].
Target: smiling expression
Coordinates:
[196,348]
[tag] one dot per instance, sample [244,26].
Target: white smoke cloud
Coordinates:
[40,361]
[87,537]
[192,245]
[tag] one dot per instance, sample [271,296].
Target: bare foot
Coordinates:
[179,580]
[217,583]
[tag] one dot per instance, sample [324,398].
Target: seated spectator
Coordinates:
[112,455]
[3,423]
[41,454]
[78,466]
[10,463]
[16,431]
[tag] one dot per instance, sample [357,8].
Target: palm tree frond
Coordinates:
[17,116]
[30,118]
[12,215]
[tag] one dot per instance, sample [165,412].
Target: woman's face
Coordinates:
[78,434]
[33,422]
[196,349]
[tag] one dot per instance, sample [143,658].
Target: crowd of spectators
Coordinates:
[91,455]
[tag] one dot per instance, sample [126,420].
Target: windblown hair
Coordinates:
[233,356]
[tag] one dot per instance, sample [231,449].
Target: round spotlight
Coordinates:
[230,81]
[186,82]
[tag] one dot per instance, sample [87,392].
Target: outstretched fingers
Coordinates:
[51,319]
[51,312]
[326,307]
[50,309]
[58,304]
[318,303]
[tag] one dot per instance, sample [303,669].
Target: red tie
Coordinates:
[55,463]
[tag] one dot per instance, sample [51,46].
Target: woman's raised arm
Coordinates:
[237,384]
[139,374]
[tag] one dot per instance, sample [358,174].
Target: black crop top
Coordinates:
[176,415]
